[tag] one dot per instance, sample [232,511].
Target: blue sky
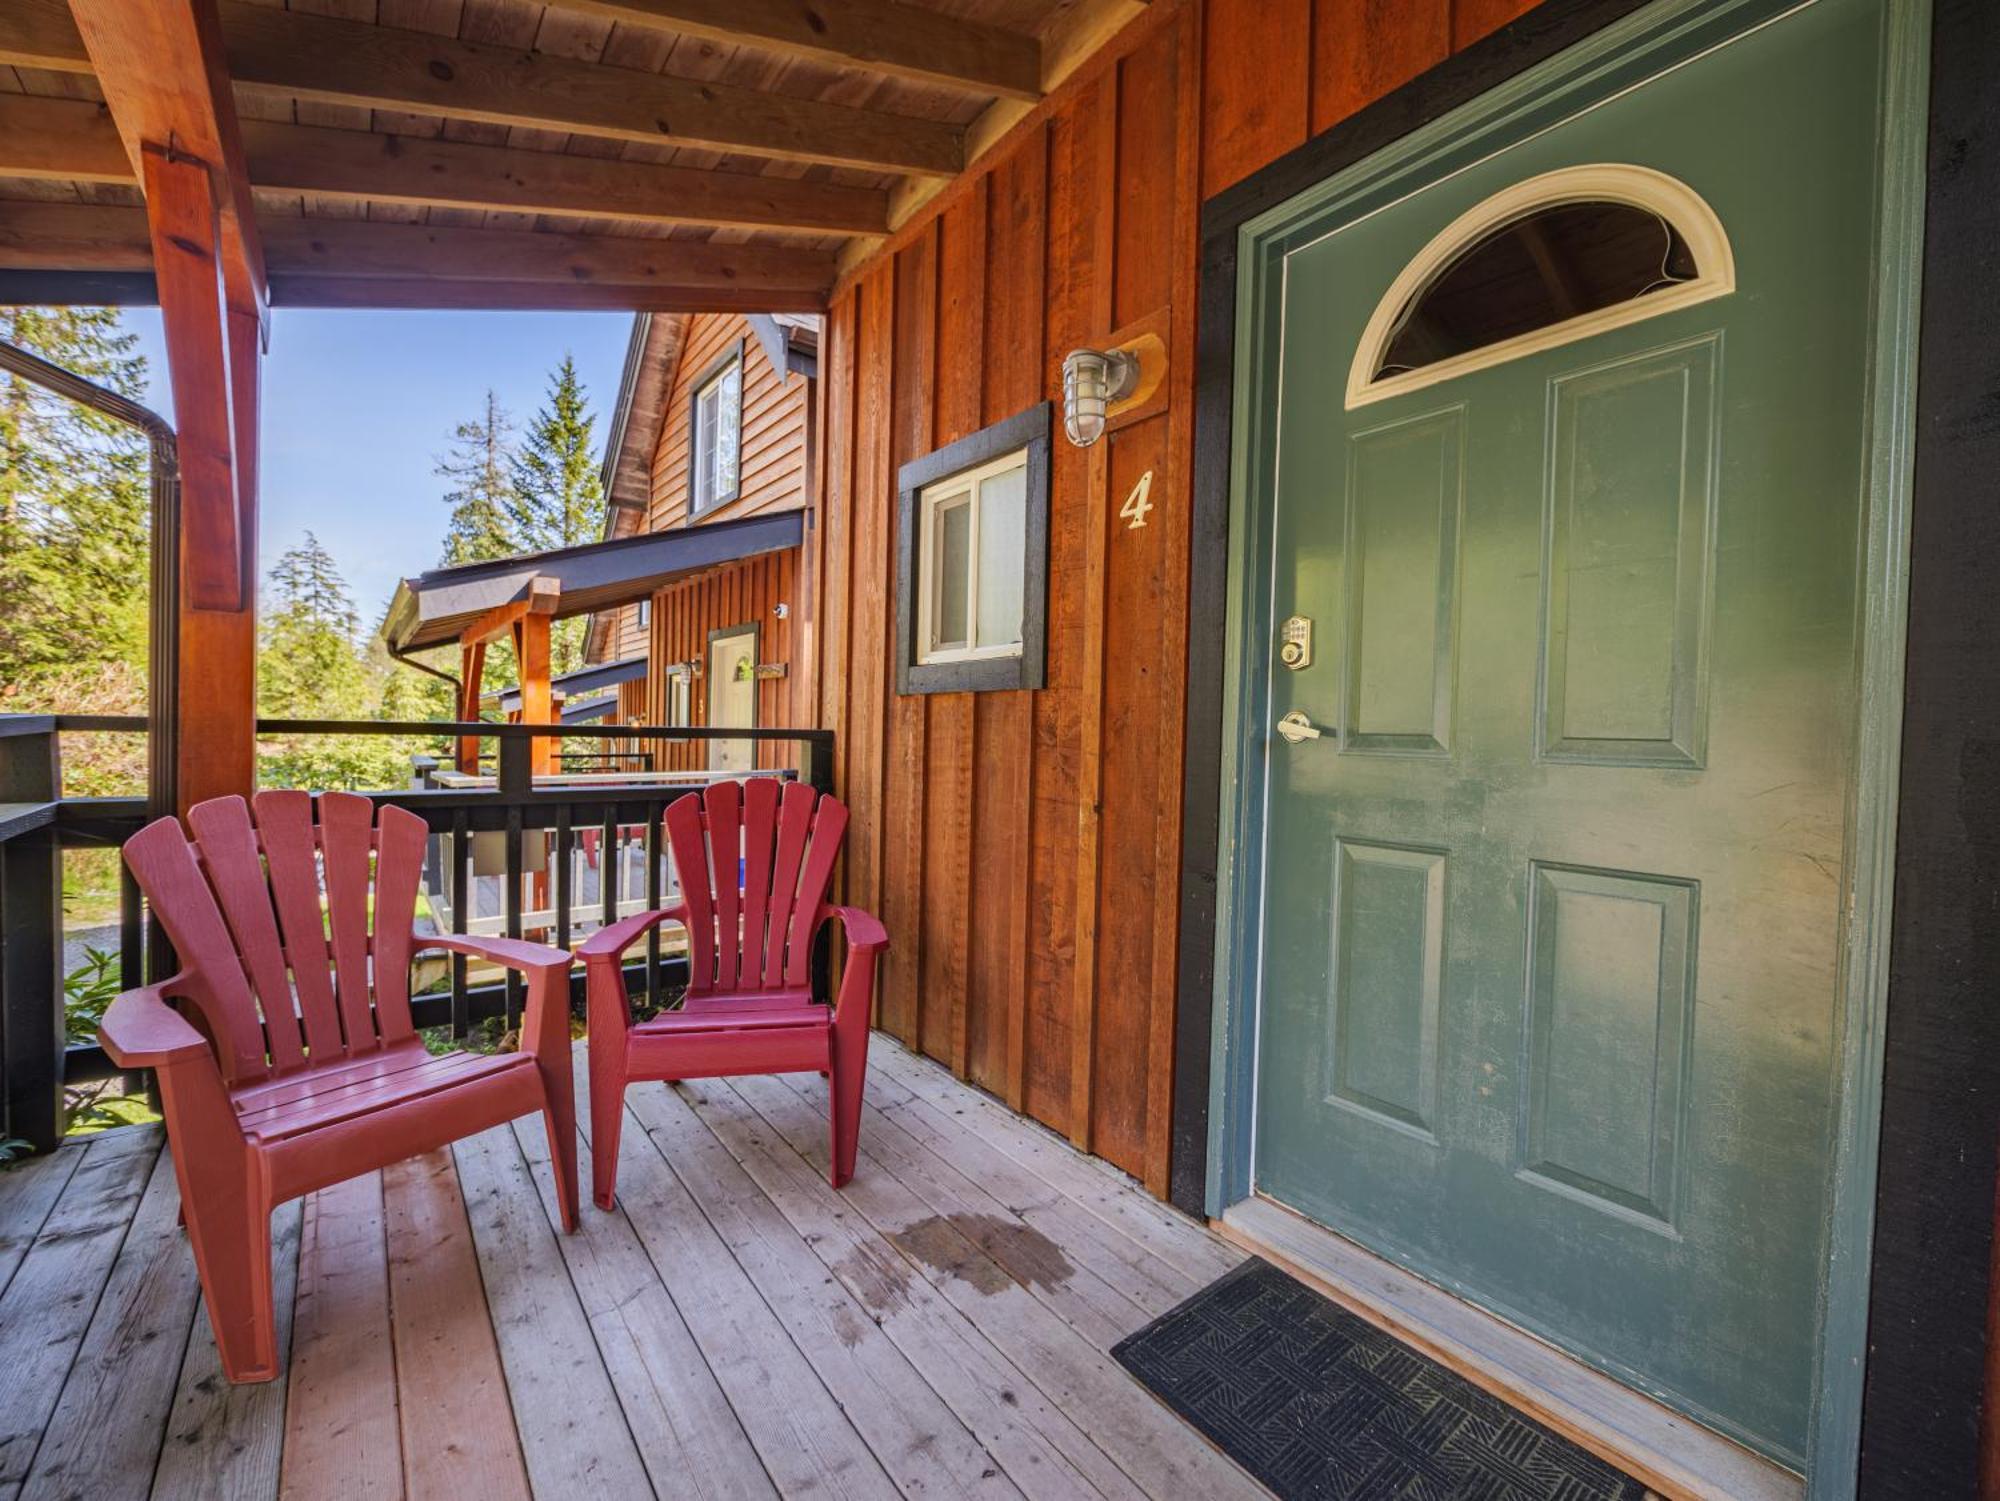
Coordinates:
[357,406]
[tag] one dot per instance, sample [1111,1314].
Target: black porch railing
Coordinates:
[509,853]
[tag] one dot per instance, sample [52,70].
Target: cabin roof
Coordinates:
[437,607]
[574,686]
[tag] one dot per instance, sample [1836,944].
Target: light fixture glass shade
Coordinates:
[1092,380]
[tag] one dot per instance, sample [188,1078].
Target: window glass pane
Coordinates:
[728,405]
[952,599]
[704,448]
[1003,512]
[1545,268]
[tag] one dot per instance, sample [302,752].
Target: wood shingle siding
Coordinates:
[1024,848]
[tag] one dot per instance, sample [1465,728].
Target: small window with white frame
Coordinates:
[715,433]
[645,613]
[972,560]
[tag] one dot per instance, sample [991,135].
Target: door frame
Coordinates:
[748,628]
[1539,70]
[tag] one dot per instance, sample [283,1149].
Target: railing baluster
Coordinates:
[607,867]
[514,876]
[463,893]
[562,876]
[652,903]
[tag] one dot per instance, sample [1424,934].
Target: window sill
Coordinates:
[969,675]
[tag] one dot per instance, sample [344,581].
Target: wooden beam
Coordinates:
[354,165]
[160,64]
[357,247]
[433,294]
[382,67]
[310,258]
[75,140]
[71,140]
[879,35]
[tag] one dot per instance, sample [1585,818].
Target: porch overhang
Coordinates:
[438,608]
[578,687]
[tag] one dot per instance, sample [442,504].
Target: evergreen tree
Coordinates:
[479,466]
[74,508]
[308,665]
[558,498]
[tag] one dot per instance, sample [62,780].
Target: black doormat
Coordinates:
[1318,1403]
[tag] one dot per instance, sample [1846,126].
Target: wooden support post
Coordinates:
[531,653]
[471,668]
[213,356]
[161,67]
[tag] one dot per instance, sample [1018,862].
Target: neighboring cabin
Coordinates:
[714,421]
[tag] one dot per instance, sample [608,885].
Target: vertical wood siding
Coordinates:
[1023,848]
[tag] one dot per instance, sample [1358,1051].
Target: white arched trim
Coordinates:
[1642,187]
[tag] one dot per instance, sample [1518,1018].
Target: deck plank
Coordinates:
[223,1442]
[54,1293]
[1032,1236]
[1164,1455]
[1149,1278]
[916,1437]
[28,1194]
[805,1440]
[103,1440]
[342,1438]
[448,1372]
[573,1433]
[1040,1447]
[689,1437]
[1090,1181]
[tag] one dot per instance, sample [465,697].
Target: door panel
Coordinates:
[1551,912]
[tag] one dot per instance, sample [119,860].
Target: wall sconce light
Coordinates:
[1092,380]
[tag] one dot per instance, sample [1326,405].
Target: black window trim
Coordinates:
[715,367]
[1027,430]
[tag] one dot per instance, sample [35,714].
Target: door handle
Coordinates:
[1296,727]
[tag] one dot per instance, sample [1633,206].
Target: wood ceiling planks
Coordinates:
[779,125]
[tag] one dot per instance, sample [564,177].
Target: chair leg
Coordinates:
[607,1114]
[847,1076]
[231,1238]
[559,1114]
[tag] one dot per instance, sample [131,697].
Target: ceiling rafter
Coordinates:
[318,252]
[883,36]
[381,67]
[74,140]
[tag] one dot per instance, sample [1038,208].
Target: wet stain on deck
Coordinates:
[985,1251]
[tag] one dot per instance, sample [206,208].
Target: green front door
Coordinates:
[1551,908]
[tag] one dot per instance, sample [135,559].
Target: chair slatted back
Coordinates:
[753,932]
[271,909]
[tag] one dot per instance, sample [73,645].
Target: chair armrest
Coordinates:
[611,941]
[865,932]
[509,953]
[140,1030]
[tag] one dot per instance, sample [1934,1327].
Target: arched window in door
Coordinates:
[1553,259]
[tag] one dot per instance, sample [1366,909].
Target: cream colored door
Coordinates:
[732,696]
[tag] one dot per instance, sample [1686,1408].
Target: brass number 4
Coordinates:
[1138,503]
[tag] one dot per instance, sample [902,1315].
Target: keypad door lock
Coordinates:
[1295,643]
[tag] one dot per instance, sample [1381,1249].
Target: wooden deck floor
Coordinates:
[736,1329]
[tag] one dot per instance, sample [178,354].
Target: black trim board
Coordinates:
[1931,1281]
[1027,429]
[1516,47]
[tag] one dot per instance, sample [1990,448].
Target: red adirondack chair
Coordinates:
[749,1006]
[292,1070]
